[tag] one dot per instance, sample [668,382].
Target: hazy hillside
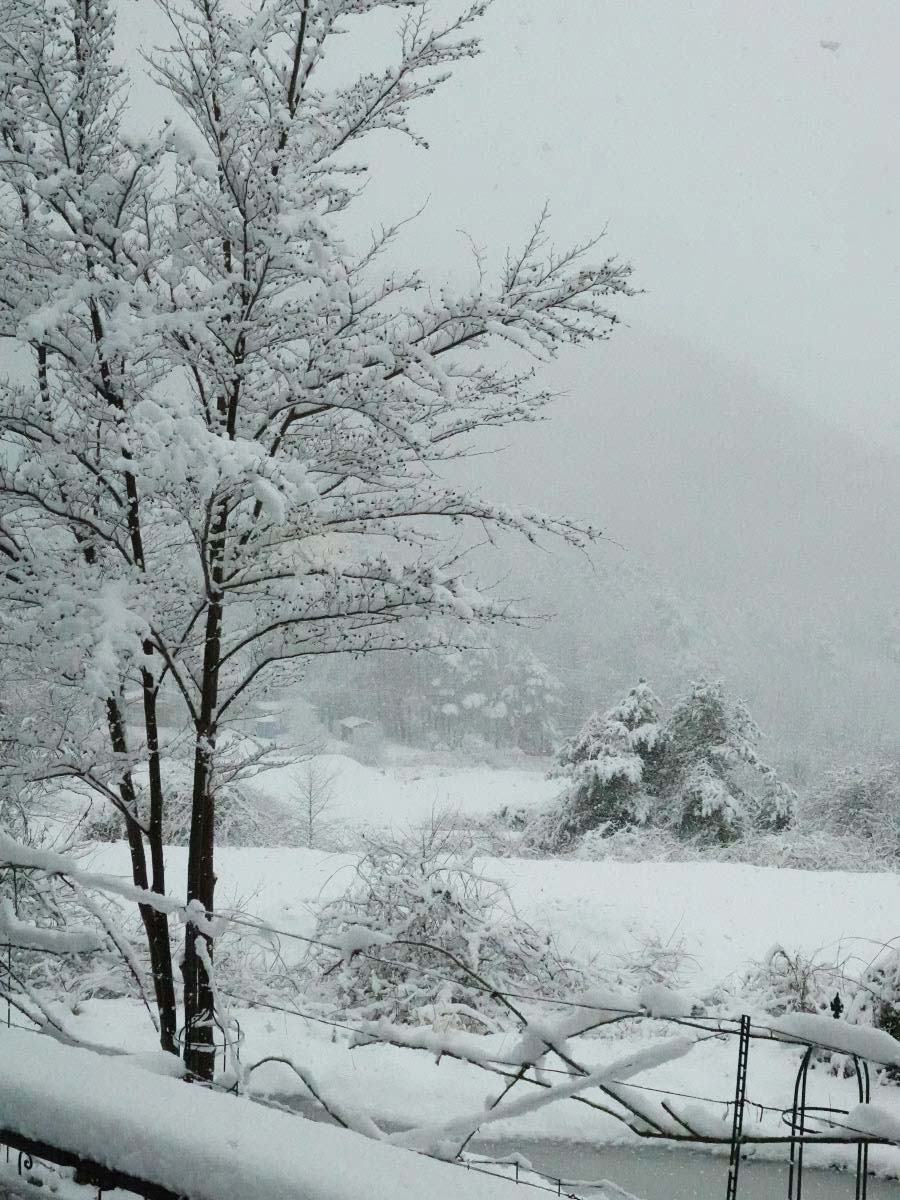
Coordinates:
[754,539]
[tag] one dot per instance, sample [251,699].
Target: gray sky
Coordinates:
[750,174]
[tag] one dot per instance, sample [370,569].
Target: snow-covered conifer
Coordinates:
[713,782]
[611,765]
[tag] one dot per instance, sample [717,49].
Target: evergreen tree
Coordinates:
[613,764]
[713,782]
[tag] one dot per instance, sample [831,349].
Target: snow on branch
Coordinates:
[15,854]
[431,1137]
[26,936]
[874,1045]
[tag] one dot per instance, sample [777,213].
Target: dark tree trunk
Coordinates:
[199,1044]
[156,924]
[158,937]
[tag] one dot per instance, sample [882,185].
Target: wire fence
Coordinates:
[713,1026]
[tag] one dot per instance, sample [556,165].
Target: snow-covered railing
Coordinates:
[160,1137]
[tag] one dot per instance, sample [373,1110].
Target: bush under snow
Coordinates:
[423,937]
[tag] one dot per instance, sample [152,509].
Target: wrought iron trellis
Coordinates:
[740,1099]
[804,1121]
[797,1117]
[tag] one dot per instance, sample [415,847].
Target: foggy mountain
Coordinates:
[748,538]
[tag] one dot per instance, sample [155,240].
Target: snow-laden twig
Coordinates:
[432,1136]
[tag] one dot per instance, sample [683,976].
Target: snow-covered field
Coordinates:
[410,786]
[719,916]
[706,921]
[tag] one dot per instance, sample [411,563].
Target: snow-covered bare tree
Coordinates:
[315,797]
[224,426]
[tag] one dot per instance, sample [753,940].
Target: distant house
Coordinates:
[268,719]
[349,728]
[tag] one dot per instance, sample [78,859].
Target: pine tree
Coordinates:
[713,782]
[612,765]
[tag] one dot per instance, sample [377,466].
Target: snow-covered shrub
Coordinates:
[242,818]
[423,936]
[654,960]
[876,998]
[807,850]
[794,982]
[797,849]
[62,943]
[646,844]
[861,798]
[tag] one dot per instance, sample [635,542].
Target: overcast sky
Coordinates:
[751,175]
[749,171]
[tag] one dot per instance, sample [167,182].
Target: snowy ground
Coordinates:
[401,1088]
[720,916]
[712,918]
[410,785]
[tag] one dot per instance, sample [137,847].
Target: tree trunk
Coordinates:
[199,1009]
[158,937]
[156,924]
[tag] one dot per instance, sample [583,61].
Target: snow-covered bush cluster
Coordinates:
[797,848]
[863,800]
[240,820]
[424,937]
[63,944]
[790,981]
[875,998]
